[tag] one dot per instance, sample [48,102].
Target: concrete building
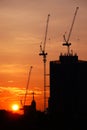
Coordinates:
[68,85]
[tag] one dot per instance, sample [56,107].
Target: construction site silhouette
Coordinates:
[67,104]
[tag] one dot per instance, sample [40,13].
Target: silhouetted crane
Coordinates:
[44,54]
[23,102]
[27,85]
[68,38]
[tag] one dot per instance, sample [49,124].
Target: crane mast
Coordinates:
[67,40]
[44,54]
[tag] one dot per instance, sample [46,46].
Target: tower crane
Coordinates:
[44,54]
[27,85]
[67,43]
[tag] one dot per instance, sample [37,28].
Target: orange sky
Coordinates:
[22,29]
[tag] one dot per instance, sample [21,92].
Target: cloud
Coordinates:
[17,91]
[12,90]
[10,81]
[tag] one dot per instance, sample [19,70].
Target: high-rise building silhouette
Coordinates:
[68,85]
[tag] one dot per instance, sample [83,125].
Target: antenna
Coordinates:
[44,54]
[68,38]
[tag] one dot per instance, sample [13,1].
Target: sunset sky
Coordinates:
[22,29]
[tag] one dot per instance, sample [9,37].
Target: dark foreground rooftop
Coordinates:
[41,121]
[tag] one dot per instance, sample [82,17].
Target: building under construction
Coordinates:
[68,85]
[68,82]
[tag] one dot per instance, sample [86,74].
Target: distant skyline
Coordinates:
[22,29]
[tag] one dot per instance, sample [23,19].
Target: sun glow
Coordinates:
[15,107]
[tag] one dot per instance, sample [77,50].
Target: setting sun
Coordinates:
[15,107]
